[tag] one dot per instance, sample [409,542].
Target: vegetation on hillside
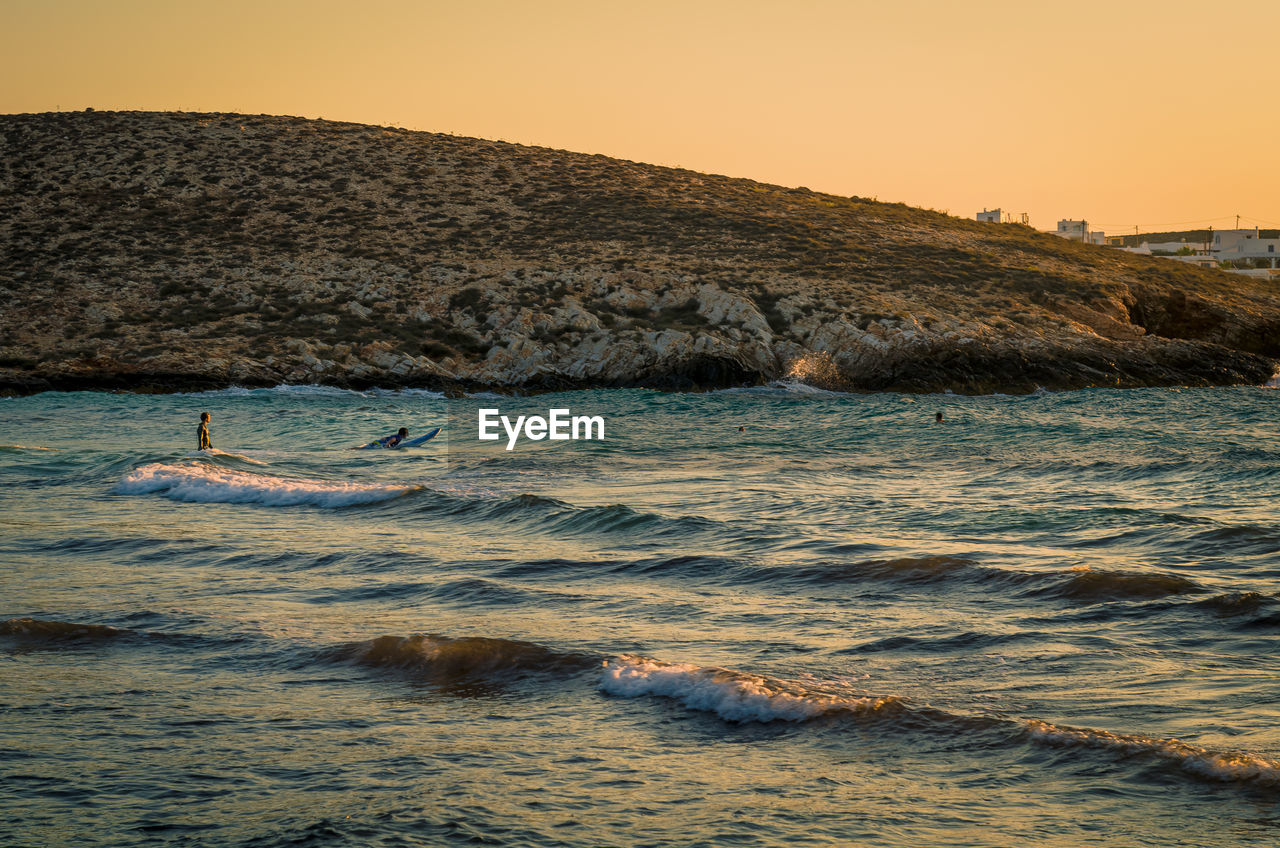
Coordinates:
[154,241]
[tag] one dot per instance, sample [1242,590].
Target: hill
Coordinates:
[177,250]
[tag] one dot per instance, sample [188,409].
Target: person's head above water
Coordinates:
[204,416]
[938,418]
[404,431]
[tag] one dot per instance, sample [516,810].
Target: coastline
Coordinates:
[964,372]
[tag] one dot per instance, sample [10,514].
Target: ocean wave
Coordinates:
[471,592]
[620,518]
[39,634]
[1089,586]
[314,390]
[468,659]
[1081,584]
[926,569]
[1244,610]
[44,631]
[143,547]
[1215,765]
[734,696]
[23,448]
[542,514]
[205,484]
[214,452]
[410,393]
[1239,603]
[934,572]
[785,387]
[967,641]
[302,390]
[45,470]
[741,698]
[555,567]
[1237,540]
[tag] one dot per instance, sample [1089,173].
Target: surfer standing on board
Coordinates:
[202,434]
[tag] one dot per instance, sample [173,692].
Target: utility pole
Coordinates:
[1237,222]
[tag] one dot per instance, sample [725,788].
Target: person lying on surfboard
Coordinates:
[395,438]
[400,439]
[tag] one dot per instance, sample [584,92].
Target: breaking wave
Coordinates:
[205,484]
[226,454]
[787,386]
[732,695]
[1215,765]
[314,390]
[739,697]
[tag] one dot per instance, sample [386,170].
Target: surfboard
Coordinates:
[419,440]
[407,443]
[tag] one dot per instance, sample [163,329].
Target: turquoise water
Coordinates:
[1052,619]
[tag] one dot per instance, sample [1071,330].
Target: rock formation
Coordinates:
[160,250]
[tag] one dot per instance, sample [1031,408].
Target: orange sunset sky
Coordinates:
[1160,115]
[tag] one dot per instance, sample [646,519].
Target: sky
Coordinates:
[1147,115]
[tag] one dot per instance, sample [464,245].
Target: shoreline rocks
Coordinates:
[976,368]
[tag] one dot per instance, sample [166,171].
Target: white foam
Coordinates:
[216,452]
[314,390]
[730,695]
[426,393]
[785,386]
[204,484]
[283,388]
[1201,761]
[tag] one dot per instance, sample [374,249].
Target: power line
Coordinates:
[1155,228]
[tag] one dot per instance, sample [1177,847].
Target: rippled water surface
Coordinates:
[1053,619]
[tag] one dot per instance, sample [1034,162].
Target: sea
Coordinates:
[772,616]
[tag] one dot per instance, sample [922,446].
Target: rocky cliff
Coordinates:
[148,250]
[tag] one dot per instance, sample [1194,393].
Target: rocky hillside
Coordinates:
[147,250]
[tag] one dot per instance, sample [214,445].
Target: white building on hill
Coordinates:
[996,216]
[1244,251]
[1250,250]
[1228,239]
[1079,231]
